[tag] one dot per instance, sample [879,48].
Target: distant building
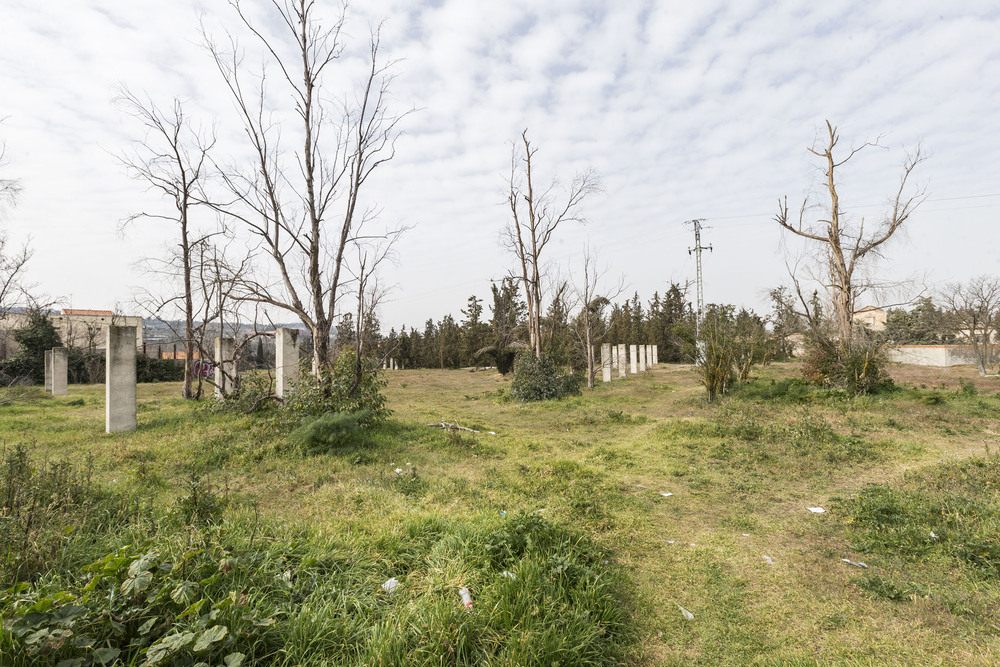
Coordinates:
[79,328]
[872,317]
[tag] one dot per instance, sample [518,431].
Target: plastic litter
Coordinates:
[666,494]
[854,563]
[399,471]
[509,575]
[933,535]
[670,541]
[466,598]
[768,560]
[390,585]
[816,510]
[746,534]
[688,615]
[492,432]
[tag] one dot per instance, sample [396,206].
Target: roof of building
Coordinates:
[93,313]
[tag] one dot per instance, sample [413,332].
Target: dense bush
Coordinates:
[860,367]
[333,429]
[351,386]
[538,379]
[36,337]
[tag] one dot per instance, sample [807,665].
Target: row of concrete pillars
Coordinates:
[638,359]
[120,374]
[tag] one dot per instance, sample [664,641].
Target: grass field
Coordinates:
[680,504]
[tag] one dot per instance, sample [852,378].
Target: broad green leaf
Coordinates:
[193,609]
[141,564]
[185,593]
[167,646]
[106,656]
[147,626]
[137,583]
[214,634]
[234,660]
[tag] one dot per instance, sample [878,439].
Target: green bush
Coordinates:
[859,368]
[350,386]
[538,379]
[318,435]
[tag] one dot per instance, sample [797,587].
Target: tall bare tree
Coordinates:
[173,159]
[974,311]
[304,208]
[13,261]
[536,214]
[847,244]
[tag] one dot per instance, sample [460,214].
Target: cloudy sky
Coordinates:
[686,110]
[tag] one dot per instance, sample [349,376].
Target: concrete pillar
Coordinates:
[622,359]
[633,353]
[606,362]
[393,363]
[656,355]
[119,379]
[642,358]
[60,370]
[286,360]
[48,371]
[224,369]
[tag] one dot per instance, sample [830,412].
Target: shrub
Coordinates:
[538,379]
[317,435]
[350,386]
[860,367]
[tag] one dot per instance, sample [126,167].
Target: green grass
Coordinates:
[594,467]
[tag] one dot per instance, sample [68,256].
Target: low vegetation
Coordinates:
[632,524]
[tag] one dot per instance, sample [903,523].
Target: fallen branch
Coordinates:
[452,427]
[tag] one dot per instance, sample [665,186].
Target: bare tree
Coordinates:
[974,311]
[535,216]
[172,158]
[10,188]
[847,244]
[592,300]
[304,210]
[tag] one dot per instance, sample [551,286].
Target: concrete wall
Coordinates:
[936,355]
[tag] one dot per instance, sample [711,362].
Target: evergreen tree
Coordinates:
[36,337]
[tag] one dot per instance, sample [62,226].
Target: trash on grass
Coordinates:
[768,560]
[688,615]
[746,534]
[933,535]
[855,564]
[816,510]
[390,585]
[666,494]
[399,471]
[466,598]
[509,575]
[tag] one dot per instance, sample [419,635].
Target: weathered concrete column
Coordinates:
[119,379]
[622,360]
[224,369]
[393,360]
[633,353]
[286,360]
[642,358]
[48,371]
[60,371]
[656,355]
[606,362]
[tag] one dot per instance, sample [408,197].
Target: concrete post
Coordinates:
[119,380]
[642,358]
[633,353]
[60,370]
[621,360]
[48,371]
[656,355]
[224,369]
[286,360]
[393,360]
[606,362]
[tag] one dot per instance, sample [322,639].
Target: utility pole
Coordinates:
[698,247]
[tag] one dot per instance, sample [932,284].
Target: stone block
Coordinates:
[286,360]
[120,380]
[60,371]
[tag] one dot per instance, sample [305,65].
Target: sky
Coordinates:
[685,110]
